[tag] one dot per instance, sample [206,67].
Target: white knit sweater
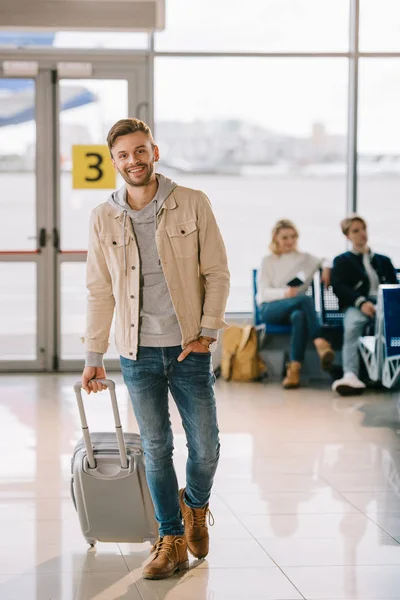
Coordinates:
[277,270]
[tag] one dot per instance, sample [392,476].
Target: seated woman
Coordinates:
[283,279]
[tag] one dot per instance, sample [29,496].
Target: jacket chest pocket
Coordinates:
[183,239]
[113,245]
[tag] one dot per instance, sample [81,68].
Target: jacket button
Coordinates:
[132,296]
[130,353]
[133,268]
[132,324]
[115,243]
[183,231]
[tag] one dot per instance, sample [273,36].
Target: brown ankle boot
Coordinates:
[169,555]
[196,531]
[292,379]
[326,354]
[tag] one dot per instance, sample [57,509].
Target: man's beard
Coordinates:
[145,181]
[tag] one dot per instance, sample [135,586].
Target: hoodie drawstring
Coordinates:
[123,235]
[155,227]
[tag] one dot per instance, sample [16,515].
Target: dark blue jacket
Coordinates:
[350,280]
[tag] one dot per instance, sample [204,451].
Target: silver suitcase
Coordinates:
[108,485]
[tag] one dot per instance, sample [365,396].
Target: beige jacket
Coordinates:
[193,259]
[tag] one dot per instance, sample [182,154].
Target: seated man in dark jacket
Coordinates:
[356,276]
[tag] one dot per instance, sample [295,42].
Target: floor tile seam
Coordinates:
[35,497]
[275,563]
[136,586]
[343,566]
[298,513]
[33,573]
[123,557]
[315,539]
[342,492]
[335,489]
[372,513]
[326,514]
[370,519]
[223,502]
[393,567]
[381,527]
[240,568]
[63,572]
[272,493]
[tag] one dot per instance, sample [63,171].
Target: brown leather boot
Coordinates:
[292,379]
[326,354]
[196,530]
[169,555]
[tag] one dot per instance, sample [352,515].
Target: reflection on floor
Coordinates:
[306,500]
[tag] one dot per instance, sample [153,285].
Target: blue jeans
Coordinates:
[191,384]
[299,312]
[354,324]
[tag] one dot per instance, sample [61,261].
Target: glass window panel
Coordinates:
[17,164]
[73,312]
[18,311]
[255,26]
[380,26]
[260,152]
[86,124]
[75,39]
[379,153]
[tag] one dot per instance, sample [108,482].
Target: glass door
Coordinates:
[45,213]
[101,100]
[23,238]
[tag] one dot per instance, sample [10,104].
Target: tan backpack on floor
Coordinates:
[240,357]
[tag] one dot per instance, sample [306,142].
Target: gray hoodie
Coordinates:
[158,326]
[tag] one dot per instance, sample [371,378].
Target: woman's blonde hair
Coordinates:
[281,224]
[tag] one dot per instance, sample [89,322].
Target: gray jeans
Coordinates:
[354,324]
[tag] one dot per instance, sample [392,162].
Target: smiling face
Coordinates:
[286,240]
[133,156]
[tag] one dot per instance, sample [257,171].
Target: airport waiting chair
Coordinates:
[381,351]
[331,315]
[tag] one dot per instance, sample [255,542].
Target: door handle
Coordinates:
[42,238]
[56,239]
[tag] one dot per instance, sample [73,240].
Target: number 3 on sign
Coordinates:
[92,168]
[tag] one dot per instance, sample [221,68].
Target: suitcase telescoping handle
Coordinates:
[118,428]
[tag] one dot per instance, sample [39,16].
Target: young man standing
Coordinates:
[157,257]
[356,276]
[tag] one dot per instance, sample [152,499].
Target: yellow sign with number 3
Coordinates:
[92,168]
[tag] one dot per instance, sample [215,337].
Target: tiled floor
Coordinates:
[306,500]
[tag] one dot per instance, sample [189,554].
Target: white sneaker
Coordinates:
[349,385]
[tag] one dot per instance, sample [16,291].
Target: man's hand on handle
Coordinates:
[90,373]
